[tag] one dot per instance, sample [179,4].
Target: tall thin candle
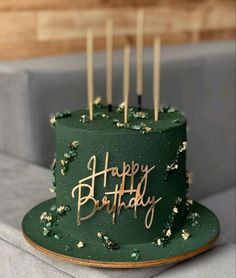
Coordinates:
[90,72]
[109,48]
[156,77]
[139,56]
[126,77]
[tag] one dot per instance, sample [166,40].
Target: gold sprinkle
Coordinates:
[42,216]
[99,234]
[119,124]
[189,202]
[172,167]
[147,129]
[185,234]
[171,110]
[183,147]
[80,244]
[168,233]
[52,190]
[74,144]
[53,120]
[122,105]
[175,210]
[60,209]
[45,216]
[97,100]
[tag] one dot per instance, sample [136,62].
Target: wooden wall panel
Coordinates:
[50,27]
[73,24]
[16,26]
[92,4]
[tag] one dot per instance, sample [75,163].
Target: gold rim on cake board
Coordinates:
[107,264]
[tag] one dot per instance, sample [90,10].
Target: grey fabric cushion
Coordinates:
[218,262]
[17,263]
[198,79]
[223,204]
[24,185]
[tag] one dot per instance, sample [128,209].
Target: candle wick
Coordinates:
[139,102]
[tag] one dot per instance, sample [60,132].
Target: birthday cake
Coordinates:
[127,180]
[120,187]
[124,181]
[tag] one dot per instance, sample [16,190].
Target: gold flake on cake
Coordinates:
[63,166]
[107,242]
[97,100]
[162,240]
[45,217]
[60,209]
[74,144]
[147,129]
[121,107]
[172,167]
[175,210]
[53,120]
[99,234]
[52,190]
[168,233]
[69,156]
[189,202]
[59,115]
[139,115]
[84,118]
[167,109]
[183,147]
[141,127]
[119,125]
[80,244]
[185,234]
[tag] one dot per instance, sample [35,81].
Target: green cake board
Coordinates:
[147,255]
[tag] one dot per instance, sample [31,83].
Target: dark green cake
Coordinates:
[159,145]
[120,192]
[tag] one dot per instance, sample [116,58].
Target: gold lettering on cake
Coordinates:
[114,207]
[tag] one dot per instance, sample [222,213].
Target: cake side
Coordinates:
[127,181]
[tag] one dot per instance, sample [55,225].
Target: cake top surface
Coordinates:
[106,121]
